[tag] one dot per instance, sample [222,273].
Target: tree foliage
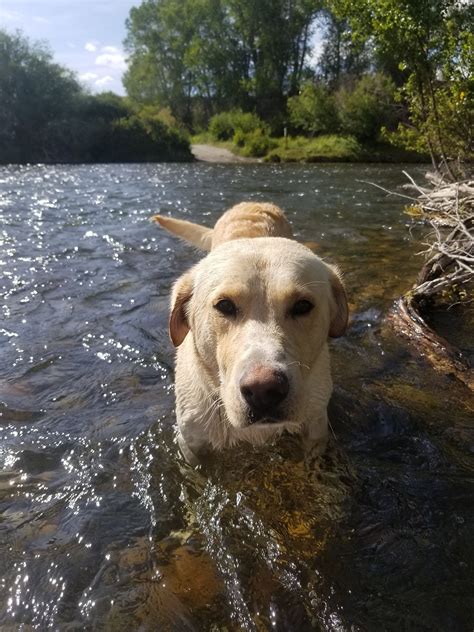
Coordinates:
[314,110]
[343,57]
[192,59]
[368,107]
[36,97]
[46,116]
[228,53]
[433,44]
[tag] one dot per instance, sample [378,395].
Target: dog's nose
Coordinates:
[264,388]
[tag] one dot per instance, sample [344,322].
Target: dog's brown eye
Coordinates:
[300,308]
[226,307]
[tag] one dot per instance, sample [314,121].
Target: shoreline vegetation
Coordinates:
[241,76]
[325,148]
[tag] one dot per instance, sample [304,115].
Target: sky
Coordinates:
[84,35]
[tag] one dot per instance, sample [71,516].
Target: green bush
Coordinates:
[246,130]
[257,143]
[46,116]
[314,110]
[225,125]
[221,126]
[138,138]
[367,108]
[239,138]
[321,148]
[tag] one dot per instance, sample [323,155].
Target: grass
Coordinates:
[328,148]
[322,148]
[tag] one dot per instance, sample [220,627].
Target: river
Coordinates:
[102,524]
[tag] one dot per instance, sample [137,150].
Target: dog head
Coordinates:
[260,312]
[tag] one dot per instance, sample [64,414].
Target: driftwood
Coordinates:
[447,273]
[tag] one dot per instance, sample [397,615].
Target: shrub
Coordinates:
[257,143]
[221,126]
[245,129]
[322,148]
[225,125]
[450,130]
[368,107]
[239,138]
[314,110]
[137,138]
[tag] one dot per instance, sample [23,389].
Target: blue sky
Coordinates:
[84,35]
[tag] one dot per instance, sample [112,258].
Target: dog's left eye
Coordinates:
[301,308]
[226,307]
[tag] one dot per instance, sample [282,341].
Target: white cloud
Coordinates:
[100,83]
[88,76]
[111,60]
[110,49]
[90,47]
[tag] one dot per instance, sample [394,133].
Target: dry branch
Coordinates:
[447,272]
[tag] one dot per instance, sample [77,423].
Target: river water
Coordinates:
[102,524]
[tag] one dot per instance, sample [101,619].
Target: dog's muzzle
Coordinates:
[264,389]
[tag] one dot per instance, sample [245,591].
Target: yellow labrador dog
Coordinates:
[251,323]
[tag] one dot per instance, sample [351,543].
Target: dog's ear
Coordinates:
[199,236]
[178,322]
[339,309]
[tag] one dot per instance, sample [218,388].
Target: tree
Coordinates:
[274,36]
[433,41]
[36,98]
[314,110]
[229,53]
[368,107]
[342,57]
[46,116]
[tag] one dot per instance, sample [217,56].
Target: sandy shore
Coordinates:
[209,153]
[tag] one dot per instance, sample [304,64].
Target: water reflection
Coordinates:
[102,524]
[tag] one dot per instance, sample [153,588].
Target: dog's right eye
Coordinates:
[301,308]
[226,307]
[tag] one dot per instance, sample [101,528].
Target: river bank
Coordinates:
[215,153]
[325,148]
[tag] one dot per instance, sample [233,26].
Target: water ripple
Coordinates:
[103,526]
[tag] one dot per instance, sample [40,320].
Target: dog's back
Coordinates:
[247,219]
[251,219]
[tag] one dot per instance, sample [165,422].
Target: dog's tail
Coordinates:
[199,236]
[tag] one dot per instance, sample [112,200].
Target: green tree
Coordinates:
[46,116]
[37,97]
[433,41]
[227,53]
[342,57]
[368,107]
[275,38]
[314,110]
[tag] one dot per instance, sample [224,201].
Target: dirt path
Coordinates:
[209,153]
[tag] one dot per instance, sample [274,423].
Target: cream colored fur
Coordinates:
[248,219]
[264,276]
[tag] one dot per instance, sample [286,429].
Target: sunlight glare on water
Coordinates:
[103,526]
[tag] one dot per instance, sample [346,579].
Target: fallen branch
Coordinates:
[448,272]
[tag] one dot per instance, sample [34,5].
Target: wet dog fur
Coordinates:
[251,323]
